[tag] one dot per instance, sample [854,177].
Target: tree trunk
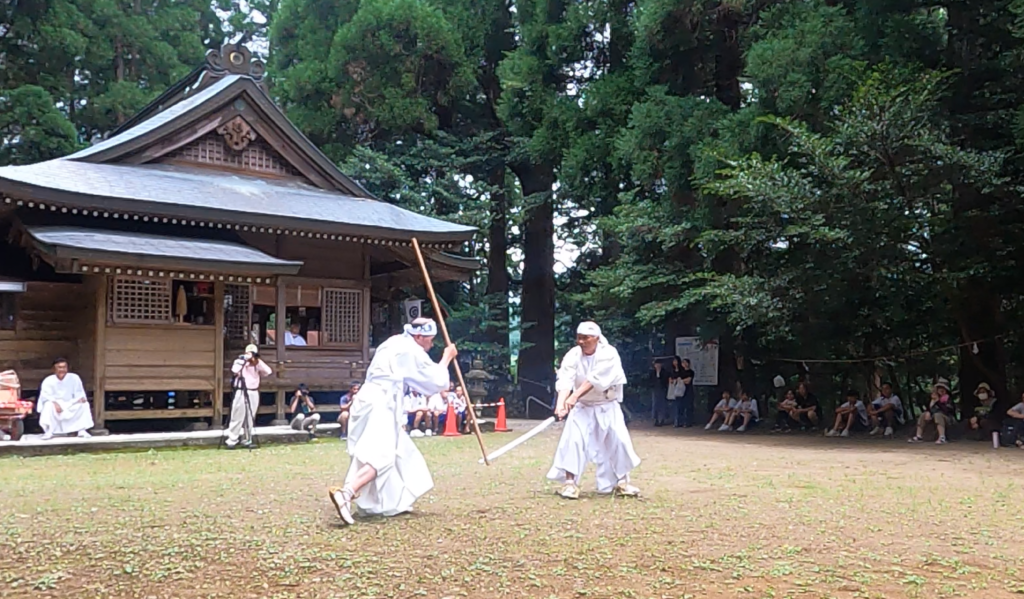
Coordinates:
[497,255]
[537,361]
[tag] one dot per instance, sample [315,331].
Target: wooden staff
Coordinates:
[448,341]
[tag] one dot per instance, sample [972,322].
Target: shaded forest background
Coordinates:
[801,180]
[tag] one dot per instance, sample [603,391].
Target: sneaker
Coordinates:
[83,434]
[915,439]
[724,428]
[626,490]
[845,433]
[342,500]
[741,429]
[569,491]
[940,441]
[708,427]
[416,434]
[831,433]
[429,433]
[888,431]
[875,431]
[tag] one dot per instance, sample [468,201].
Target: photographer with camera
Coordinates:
[248,370]
[304,410]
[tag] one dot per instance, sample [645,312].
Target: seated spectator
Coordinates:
[851,415]
[783,417]
[346,406]
[436,405]
[722,410]
[808,411]
[982,421]
[416,408]
[1016,423]
[746,412]
[63,407]
[458,397]
[886,408]
[941,411]
[293,335]
[304,409]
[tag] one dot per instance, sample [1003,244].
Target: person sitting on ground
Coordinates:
[436,405]
[886,408]
[745,412]
[983,421]
[806,412]
[346,407]
[63,407]
[784,420]
[458,397]
[941,411]
[851,415]
[722,410]
[306,417]
[416,408]
[1016,415]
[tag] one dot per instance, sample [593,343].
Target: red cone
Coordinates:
[500,426]
[451,425]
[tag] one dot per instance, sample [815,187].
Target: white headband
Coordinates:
[588,328]
[428,328]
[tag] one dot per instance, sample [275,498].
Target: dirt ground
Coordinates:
[722,516]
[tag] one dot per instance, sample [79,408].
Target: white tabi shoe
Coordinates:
[46,436]
[84,434]
[626,490]
[342,500]
[569,491]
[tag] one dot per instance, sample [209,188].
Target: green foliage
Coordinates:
[32,128]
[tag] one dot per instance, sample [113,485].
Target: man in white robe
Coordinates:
[387,473]
[589,385]
[63,407]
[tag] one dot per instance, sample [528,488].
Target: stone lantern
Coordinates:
[476,382]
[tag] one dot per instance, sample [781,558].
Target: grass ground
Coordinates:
[722,516]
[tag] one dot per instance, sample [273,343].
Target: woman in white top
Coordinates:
[387,473]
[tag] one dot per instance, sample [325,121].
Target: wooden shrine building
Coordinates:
[206,222]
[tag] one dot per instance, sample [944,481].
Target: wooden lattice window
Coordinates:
[239,315]
[343,316]
[258,156]
[137,299]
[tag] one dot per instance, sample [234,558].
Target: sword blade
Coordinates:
[532,433]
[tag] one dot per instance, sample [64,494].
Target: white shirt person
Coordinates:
[589,384]
[63,407]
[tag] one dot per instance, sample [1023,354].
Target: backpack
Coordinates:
[1008,434]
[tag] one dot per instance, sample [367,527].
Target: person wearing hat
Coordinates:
[589,385]
[941,411]
[248,370]
[387,473]
[304,409]
[982,420]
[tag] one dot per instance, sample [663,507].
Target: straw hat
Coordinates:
[941,382]
[983,387]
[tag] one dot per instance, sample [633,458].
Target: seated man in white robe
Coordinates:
[589,385]
[63,407]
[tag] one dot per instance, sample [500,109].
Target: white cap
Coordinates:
[588,328]
[251,349]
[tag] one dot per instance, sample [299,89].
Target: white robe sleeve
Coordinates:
[78,389]
[607,370]
[421,373]
[46,394]
[565,380]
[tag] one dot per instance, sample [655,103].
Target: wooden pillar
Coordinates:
[99,387]
[279,324]
[367,288]
[218,355]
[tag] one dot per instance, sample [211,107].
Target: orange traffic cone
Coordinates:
[451,426]
[500,426]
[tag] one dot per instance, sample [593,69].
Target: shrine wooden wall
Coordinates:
[160,358]
[52,319]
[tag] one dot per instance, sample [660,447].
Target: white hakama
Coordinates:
[375,431]
[595,430]
[75,415]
